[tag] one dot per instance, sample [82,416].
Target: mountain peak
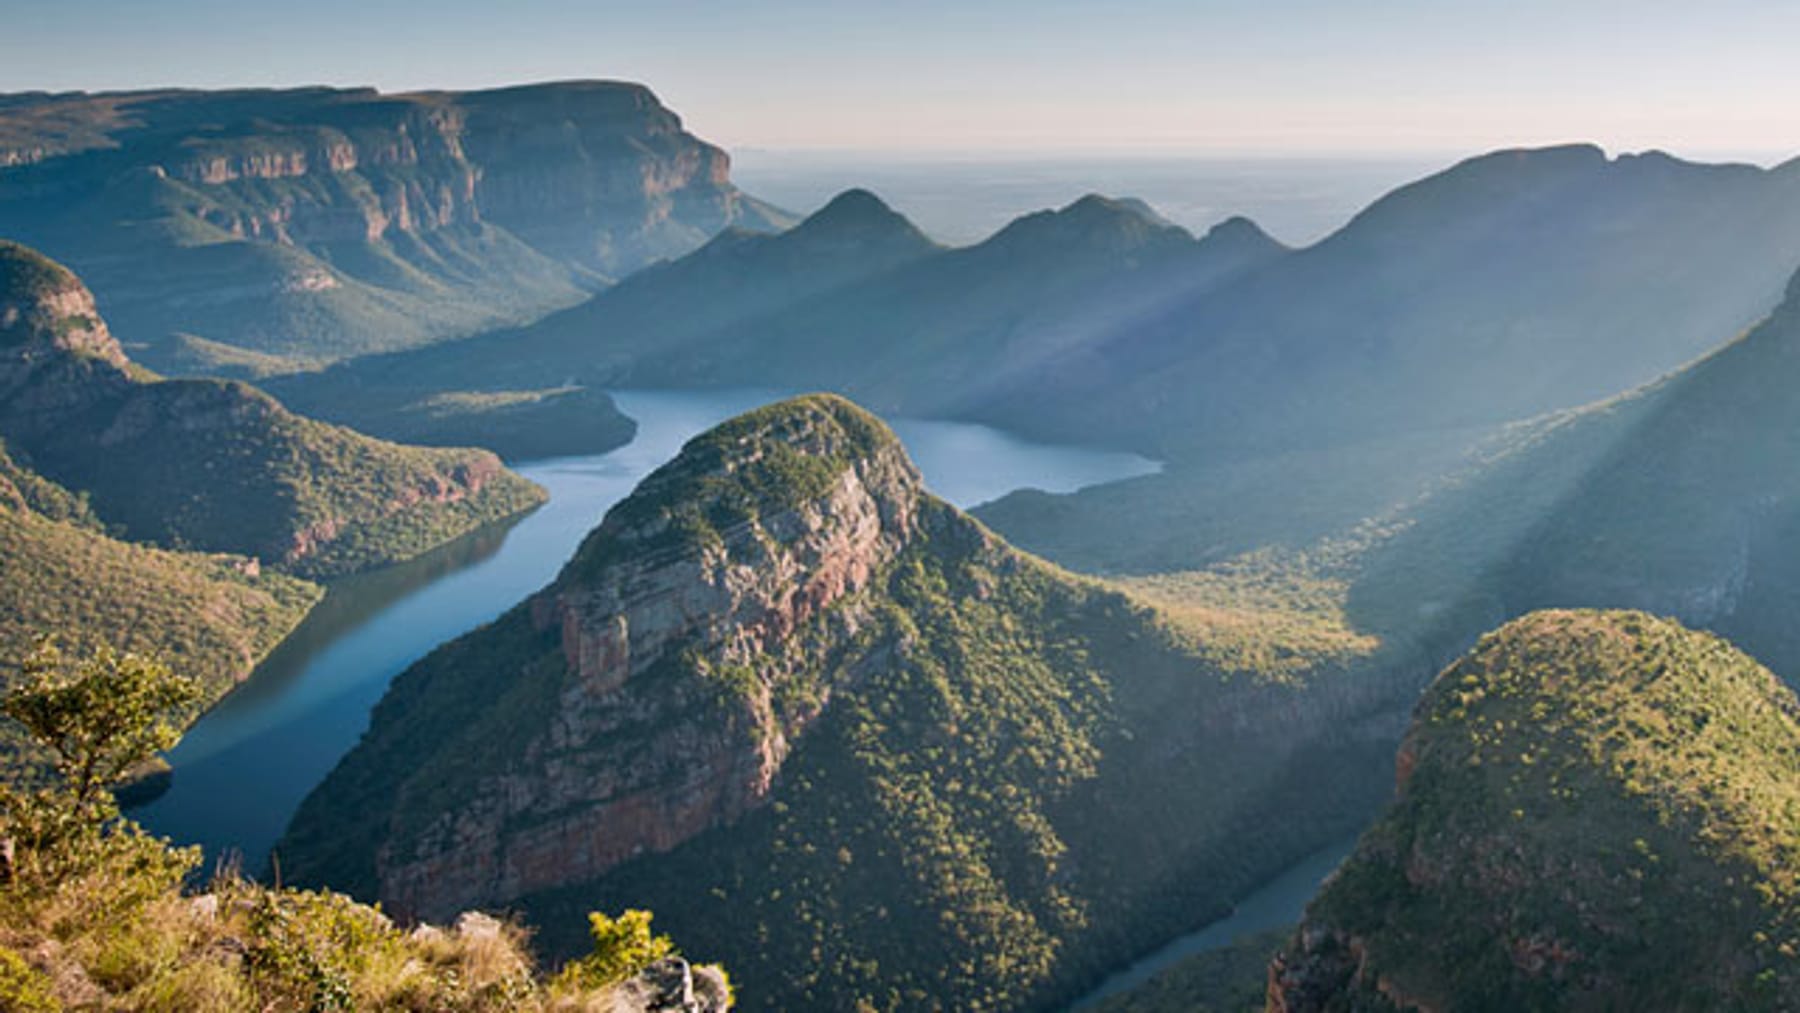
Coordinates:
[1092,220]
[1096,207]
[859,214]
[854,203]
[684,603]
[776,458]
[1239,232]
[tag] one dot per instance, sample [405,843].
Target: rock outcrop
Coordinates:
[1595,810]
[672,985]
[675,624]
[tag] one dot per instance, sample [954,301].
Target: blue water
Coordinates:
[243,768]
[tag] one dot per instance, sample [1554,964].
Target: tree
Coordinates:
[98,718]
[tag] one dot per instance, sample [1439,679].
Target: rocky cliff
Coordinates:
[800,707]
[1595,810]
[216,465]
[706,585]
[312,223]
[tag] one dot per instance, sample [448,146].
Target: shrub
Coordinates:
[623,946]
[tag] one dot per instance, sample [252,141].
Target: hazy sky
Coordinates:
[1256,76]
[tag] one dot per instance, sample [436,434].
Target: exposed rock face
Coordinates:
[666,723]
[673,985]
[599,173]
[464,209]
[49,325]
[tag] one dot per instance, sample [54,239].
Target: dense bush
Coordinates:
[94,914]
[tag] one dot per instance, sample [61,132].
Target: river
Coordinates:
[244,767]
[1278,902]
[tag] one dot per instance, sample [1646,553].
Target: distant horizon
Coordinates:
[1765,157]
[1306,79]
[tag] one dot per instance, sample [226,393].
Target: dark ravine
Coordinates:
[783,677]
[257,231]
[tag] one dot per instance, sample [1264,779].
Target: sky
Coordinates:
[1234,77]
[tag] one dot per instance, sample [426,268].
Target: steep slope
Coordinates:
[1677,499]
[1596,810]
[309,224]
[840,735]
[215,616]
[855,299]
[216,465]
[1497,519]
[1511,284]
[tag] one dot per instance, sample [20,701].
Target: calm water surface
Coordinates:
[244,767]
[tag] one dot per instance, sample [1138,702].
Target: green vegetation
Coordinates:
[761,462]
[216,465]
[188,355]
[1597,810]
[93,912]
[25,278]
[623,946]
[1004,780]
[215,616]
[996,812]
[99,718]
[1275,614]
[220,467]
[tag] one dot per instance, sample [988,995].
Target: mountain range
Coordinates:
[1435,310]
[855,298]
[258,231]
